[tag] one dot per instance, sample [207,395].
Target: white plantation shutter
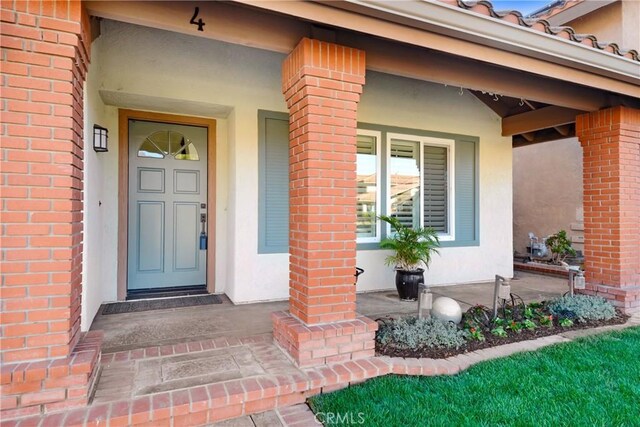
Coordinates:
[367,180]
[405,182]
[435,188]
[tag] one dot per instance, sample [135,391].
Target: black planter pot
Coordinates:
[407,283]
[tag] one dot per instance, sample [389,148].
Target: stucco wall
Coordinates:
[547,191]
[410,103]
[630,26]
[617,22]
[145,65]
[603,22]
[100,202]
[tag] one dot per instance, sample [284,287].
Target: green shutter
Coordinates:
[466,192]
[274,182]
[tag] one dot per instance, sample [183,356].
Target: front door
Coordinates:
[167,205]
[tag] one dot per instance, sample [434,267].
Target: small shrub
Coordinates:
[529,324]
[560,246]
[582,308]
[566,323]
[546,320]
[413,333]
[514,326]
[499,332]
[476,334]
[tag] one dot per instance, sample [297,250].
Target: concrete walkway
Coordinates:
[159,327]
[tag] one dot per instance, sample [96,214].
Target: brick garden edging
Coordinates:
[547,270]
[231,399]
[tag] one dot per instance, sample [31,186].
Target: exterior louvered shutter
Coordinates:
[466,191]
[274,183]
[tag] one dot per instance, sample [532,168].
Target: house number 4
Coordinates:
[199,22]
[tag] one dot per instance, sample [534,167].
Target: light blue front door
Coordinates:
[167,205]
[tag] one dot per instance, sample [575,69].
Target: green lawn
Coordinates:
[590,382]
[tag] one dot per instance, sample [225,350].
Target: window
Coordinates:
[423,178]
[162,143]
[420,187]
[368,179]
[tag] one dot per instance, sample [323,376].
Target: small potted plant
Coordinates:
[412,250]
[560,247]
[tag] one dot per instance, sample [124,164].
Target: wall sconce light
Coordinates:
[100,138]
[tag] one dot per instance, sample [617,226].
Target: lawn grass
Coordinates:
[594,381]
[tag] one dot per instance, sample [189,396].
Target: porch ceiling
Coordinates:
[522,84]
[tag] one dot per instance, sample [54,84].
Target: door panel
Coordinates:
[186,182]
[186,248]
[167,196]
[150,237]
[150,180]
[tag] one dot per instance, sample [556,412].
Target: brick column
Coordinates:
[610,141]
[44,62]
[322,83]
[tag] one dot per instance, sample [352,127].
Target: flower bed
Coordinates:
[516,321]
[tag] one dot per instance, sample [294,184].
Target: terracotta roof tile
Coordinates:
[485,7]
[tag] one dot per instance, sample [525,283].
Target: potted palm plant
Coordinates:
[412,250]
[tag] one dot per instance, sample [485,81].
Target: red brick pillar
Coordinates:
[322,83]
[610,141]
[44,62]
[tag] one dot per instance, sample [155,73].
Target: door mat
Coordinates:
[160,304]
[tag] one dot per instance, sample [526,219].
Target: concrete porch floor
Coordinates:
[178,351]
[160,327]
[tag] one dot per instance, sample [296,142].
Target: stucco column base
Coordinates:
[323,344]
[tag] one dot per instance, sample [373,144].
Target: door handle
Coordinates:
[203,233]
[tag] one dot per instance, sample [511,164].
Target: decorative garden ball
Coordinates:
[446,309]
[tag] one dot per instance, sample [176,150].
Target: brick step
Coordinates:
[220,401]
[206,404]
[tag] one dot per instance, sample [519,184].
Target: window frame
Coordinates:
[423,141]
[383,197]
[378,135]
